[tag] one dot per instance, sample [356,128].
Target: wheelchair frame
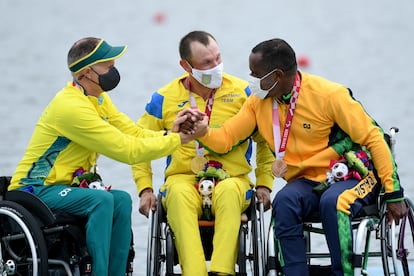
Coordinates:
[32,238]
[371,219]
[162,254]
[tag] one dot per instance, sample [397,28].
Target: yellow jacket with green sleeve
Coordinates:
[323,108]
[161,110]
[74,128]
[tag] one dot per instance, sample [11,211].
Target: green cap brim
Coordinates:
[102,52]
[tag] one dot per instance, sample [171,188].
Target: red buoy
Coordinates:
[303,61]
[159,17]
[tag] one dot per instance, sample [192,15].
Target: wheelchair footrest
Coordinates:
[317,270]
[273,263]
[357,260]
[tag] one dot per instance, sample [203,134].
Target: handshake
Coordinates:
[190,124]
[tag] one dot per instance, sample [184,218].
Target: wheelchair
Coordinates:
[396,243]
[162,254]
[36,241]
[394,247]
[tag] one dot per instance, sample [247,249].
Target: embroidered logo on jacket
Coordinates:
[229,98]
[182,104]
[307,127]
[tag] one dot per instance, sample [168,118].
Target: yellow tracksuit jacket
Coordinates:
[74,128]
[322,107]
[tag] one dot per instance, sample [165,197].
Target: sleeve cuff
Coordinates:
[265,181]
[394,196]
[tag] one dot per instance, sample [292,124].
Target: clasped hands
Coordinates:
[190,124]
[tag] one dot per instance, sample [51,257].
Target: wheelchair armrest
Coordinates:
[4,183]
[368,211]
[33,204]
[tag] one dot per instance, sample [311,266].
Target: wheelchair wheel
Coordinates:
[170,252]
[241,258]
[23,247]
[406,240]
[154,256]
[256,253]
[261,239]
[273,266]
[397,243]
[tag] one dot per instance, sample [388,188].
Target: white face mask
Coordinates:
[254,85]
[211,78]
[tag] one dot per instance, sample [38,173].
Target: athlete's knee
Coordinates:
[226,189]
[290,207]
[104,200]
[285,197]
[123,200]
[101,207]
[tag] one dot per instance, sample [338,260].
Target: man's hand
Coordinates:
[200,128]
[263,196]
[395,211]
[147,201]
[186,120]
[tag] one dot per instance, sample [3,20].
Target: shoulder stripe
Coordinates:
[247,90]
[154,106]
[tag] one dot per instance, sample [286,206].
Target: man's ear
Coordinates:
[85,72]
[185,65]
[279,74]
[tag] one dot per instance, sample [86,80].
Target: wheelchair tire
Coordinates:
[255,258]
[397,243]
[170,252]
[406,239]
[23,247]
[241,258]
[154,258]
[272,266]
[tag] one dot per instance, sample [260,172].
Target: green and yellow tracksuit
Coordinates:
[323,109]
[72,130]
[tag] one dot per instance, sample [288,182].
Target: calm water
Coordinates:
[366,45]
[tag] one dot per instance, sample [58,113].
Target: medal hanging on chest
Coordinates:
[279,166]
[198,162]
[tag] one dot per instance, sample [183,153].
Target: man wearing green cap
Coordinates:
[79,124]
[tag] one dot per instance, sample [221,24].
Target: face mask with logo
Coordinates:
[254,85]
[109,80]
[211,78]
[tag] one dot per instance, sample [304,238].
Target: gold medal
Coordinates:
[198,163]
[279,168]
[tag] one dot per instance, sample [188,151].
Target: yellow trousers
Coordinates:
[183,204]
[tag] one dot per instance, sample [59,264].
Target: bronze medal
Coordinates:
[279,168]
[198,163]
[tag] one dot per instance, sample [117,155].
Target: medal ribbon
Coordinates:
[209,108]
[281,142]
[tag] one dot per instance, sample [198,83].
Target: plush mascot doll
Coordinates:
[91,180]
[206,180]
[352,164]
[206,188]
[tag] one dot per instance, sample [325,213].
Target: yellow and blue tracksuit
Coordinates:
[324,109]
[71,131]
[181,199]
